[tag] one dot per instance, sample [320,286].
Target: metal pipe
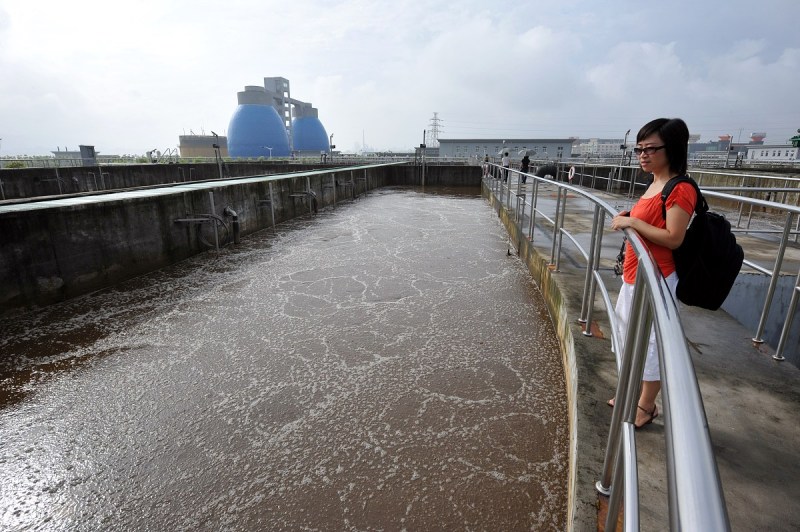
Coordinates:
[624,372]
[507,179]
[308,195]
[214,212]
[616,494]
[776,271]
[591,266]
[423,149]
[555,226]
[787,324]
[272,207]
[234,222]
[534,188]
[797,228]
[560,230]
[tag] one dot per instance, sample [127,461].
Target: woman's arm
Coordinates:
[671,237]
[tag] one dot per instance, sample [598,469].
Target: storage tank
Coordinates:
[255,127]
[308,132]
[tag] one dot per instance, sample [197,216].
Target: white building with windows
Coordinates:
[778,153]
[516,148]
[598,148]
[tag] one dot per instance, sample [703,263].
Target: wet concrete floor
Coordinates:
[384,365]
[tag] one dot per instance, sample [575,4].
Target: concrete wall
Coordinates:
[74,247]
[746,302]
[33,182]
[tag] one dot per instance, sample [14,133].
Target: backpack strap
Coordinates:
[700,205]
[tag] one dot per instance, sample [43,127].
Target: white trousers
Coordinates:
[652,371]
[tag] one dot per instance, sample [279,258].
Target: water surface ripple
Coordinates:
[382,366]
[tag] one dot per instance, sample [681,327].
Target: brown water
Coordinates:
[382,366]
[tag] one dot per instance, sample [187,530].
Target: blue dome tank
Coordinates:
[309,135]
[252,128]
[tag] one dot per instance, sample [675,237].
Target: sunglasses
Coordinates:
[650,150]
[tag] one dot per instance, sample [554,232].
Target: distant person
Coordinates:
[661,146]
[506,163]
[524,167]
[486,165]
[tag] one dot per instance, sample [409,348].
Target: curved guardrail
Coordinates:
[787,219]
[695,495]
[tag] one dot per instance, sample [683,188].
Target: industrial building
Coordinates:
[268,122]
[516,148]
[203,145]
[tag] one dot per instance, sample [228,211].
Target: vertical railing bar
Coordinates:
[590,268]
[776,271]
[625,376]
[560,229]
[787,324]
[534,198]
[555,225]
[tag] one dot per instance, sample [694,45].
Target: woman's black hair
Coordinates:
[674,134]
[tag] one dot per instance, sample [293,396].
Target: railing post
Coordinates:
[534,198]
[629,380]
[787,325]
[507,173]
[776,271]
[555,225]
[561,225]
[591,267]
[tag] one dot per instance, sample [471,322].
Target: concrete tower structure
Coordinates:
[256,129]
[253,128]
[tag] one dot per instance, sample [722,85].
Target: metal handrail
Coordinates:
[791,227]
[694,499]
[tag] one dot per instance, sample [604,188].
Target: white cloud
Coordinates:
[129,76]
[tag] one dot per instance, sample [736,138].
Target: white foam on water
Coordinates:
[384,365]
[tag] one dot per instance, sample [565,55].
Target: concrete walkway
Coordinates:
[751,402]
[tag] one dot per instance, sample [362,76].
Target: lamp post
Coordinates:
[217,155]
[624,148]
[270,150]
[2,190]
[331,146]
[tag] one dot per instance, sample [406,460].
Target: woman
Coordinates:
[506,163]
[661,146]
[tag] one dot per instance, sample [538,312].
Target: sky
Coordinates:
[128,77]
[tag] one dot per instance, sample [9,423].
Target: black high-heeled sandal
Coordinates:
[650,416]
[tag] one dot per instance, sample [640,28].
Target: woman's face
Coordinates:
[657,161]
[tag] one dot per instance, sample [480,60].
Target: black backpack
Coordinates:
[709,259]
